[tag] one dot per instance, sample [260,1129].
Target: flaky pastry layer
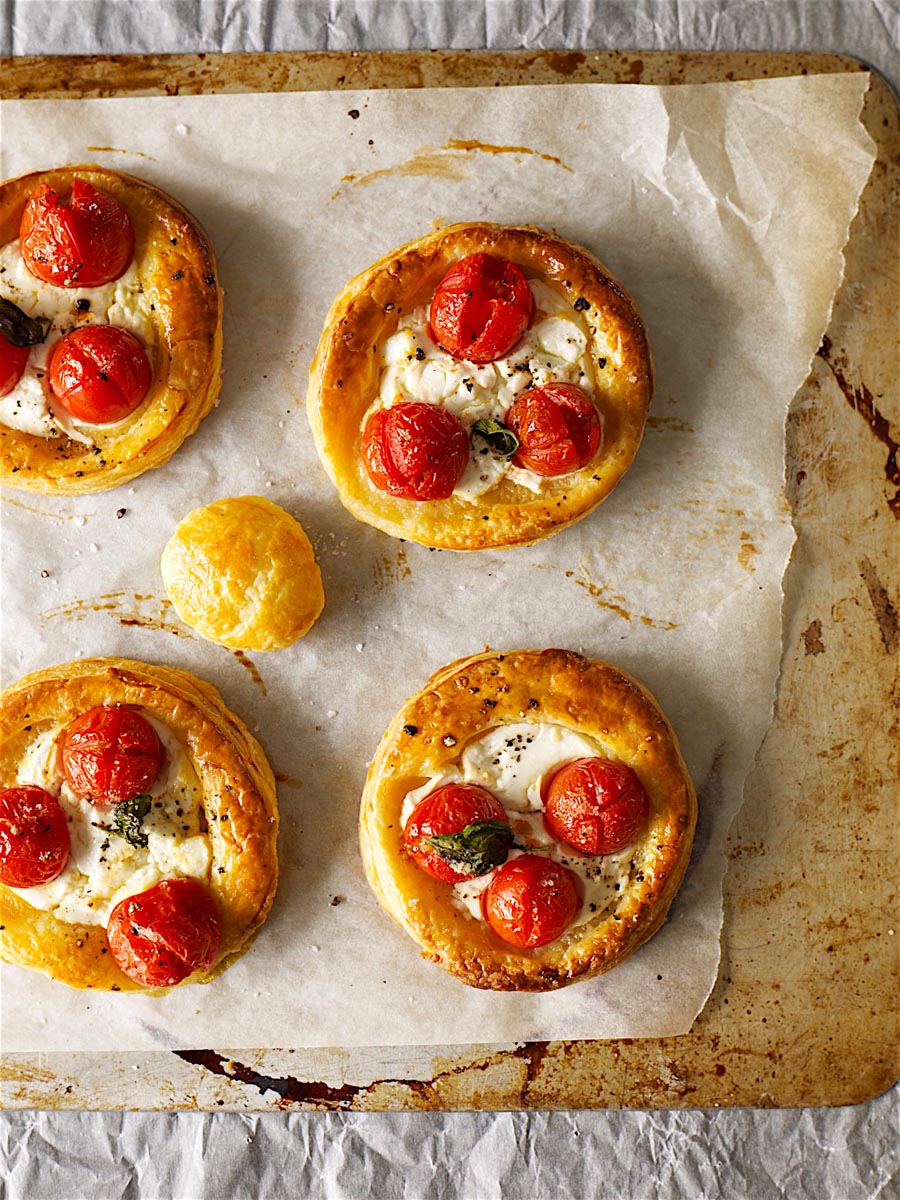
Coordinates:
[346,370]
[238,801]
[177,266]
[462,702]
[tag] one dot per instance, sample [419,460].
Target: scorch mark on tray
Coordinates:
[885,613]
[812,638]
[862,401]
[291,1090]
[388,570]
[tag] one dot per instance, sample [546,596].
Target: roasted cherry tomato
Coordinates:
[558,429]
[448,809]
[83,239]
[110,755]
[481,308]
[161,936]
[595,805]
[34,837]
[12,364]
[99,373]
[531,900]
[415,451]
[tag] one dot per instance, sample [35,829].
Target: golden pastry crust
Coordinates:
[177,267]
[242,572]
[238,801]
[345,374]
[462,702]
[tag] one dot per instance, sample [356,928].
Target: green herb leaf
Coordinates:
[128,819]
[478,848]
[498,436]
[18,328]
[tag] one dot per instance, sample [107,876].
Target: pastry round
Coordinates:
[612,362]
[242,573]
[555,699]
[214,773]
[170,292]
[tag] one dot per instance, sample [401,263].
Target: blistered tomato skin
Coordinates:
[110,755]
[161,936]
[99,373]
[415,451]
[531,901]
[12,364]
[448,809]
[558,428]
[481,308]
[595,806]
[34,837]
[82,239]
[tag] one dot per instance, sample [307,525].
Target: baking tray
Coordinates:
[805,1008]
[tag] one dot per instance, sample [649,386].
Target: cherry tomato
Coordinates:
[595,805]
[531,900]
[558,429]
[34,837]
[415,451]
[99,373]
[448,809]
[110,755]
[83,239]
[12,364]
[161,936]
[481,308]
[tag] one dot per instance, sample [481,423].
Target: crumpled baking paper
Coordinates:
[723,209]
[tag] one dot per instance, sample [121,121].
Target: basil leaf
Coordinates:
[478,848]
[498,436]
[128,819]
[18,328]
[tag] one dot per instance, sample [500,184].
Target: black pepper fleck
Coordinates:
[411,730]
[353,114]
[581,304]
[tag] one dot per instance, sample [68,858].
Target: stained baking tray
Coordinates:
[804,1011]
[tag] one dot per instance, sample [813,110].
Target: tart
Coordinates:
[399,340]
[148,278]
[204,822]
[510,725]
[242,572]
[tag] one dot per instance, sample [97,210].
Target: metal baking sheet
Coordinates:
[804,1011]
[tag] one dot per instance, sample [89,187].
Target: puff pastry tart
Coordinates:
[242,572]
[484,386]
[528,818]
[138,824]
[110,329]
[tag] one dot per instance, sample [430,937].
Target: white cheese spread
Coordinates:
[103,868]
[513,762]
[556,348]
[124,302]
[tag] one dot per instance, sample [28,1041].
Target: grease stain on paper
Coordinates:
[612,602]
[42,512]
[119,150]
[126,614]
[444,162]
[387,570]
[250,666]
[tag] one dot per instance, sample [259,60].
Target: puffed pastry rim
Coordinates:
[346,369]
[461,702]
[176,262]
[239,803]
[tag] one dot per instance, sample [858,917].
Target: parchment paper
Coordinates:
[723,209]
